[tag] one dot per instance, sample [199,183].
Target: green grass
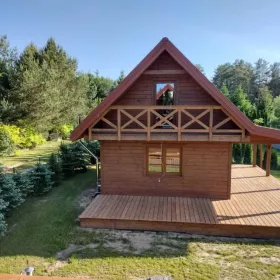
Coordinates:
[28,158]
[45,225]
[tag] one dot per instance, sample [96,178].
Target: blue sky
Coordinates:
[115,35]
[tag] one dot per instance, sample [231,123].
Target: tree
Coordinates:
[265,106]
[23,183]
[274,84]
[55,167]
[3,225]
[237,153]
[99,88]
[10,192]
[121,77]
[247,154]
[41,179]
[225,91]
[200,68]
[48,83]
[274,160]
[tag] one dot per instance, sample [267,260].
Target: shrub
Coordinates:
[237,153]
[24,183]
[94,147]
[64,130]
[274,160]
[31,138]
[41,179]
[55,166]
[7,145]
[247,154]
[73,159]
[10,192]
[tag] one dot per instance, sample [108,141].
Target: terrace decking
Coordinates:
[252,211]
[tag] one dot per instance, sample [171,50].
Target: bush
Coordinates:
[247,154]
[73,159]
[31,138]
[24,183]
[3,225]
[7,146]
[94,147]
[10,192]
[41,179]
[64,130]
[274,160]
[237,153]
[55,166]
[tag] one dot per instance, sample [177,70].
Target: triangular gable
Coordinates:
[165,46]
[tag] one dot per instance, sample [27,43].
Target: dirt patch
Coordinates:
[67,253]
[271,260]
[86,198]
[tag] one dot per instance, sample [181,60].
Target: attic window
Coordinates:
[164,94]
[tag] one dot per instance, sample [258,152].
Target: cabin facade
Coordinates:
[166,132]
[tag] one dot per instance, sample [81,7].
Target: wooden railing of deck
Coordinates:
[154,121]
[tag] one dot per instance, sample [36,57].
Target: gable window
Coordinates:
[164,159]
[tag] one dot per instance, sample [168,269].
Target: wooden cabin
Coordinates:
[166,135]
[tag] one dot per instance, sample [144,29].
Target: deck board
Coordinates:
[254,209]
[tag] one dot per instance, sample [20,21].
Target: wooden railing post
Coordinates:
[89,133]
[211,125]
[119,124]
[261,156]
[254,155]
[148,124]
[268,157]
[179,123]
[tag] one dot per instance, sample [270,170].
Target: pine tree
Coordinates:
[274,160]
[3,225]
[225,91]
[41,178]
[10,193]
[237,153]
[55,166]
[247,154]
[24,183]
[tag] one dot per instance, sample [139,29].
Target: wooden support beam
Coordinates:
[255,155]
[164,72]
[261,156]
[119,124]
[211,125]
[268,157]
[89,133]
[179,124]
[148,125]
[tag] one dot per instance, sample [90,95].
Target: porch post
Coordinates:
[261,156]
[268,157]
[254,155]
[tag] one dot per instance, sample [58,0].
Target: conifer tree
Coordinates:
[247,154]
[24,183]
[41,178]
[55,166]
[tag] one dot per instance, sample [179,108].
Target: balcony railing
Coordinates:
[205,123]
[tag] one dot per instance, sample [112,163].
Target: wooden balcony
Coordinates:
[167,123]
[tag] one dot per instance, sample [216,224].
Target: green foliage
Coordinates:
[274,160]
[64,130]
[10,192]
[23,183]
[225,91]
[94,147]
[41,179]
[247,154]
[237,153]
[7,145]
[56,169]
[73,159]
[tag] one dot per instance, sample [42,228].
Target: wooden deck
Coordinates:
[252,211]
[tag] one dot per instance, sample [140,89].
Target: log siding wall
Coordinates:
[205,171]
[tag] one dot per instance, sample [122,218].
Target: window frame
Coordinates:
[163,171]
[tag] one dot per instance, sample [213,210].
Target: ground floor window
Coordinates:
[164,158]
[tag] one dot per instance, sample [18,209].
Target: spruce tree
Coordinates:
[274,160]
[55,166]
[24,183]
[10,193]
[247,154]
[41,178]
[237,153]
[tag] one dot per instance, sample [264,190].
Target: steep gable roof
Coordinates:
[163,90]
[166,45]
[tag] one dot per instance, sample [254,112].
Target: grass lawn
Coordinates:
[45,226]
[29,158]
